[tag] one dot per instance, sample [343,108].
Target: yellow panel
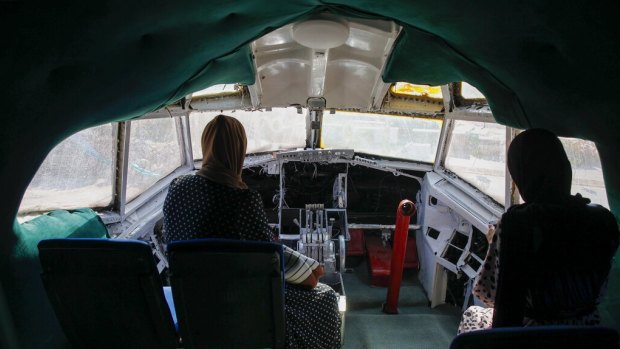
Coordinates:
[407,89]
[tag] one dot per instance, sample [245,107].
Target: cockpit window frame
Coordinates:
[187,165]
[473,191]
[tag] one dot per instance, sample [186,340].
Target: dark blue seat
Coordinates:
[107,293]
[228,293]
[539,337]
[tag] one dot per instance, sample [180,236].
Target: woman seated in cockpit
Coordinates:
[217,203]
[549,258]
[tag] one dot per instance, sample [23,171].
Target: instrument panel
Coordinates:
[315,155]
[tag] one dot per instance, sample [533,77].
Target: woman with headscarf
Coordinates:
[216,203]
[550,257]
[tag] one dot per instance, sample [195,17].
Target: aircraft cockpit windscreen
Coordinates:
[277,129]
[154,152]
[477,154]
[267,130]
[400,137]
[587,170]
[78,172]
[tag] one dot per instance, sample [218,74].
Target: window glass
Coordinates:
[216,90]
[477,154]
[587,172]
[154,152]
[278,129]
[78,172]
[384,135]
[470,92]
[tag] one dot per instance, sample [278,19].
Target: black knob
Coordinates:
[407,208]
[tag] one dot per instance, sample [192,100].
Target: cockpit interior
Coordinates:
[349,109]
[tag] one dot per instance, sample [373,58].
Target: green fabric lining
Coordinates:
[80,223]
[33,317]
[238,65]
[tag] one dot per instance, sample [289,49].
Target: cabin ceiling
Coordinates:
[71,65]
[348,75]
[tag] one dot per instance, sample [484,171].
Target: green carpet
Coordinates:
[413,331]
[417,326]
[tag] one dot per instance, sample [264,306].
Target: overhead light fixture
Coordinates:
[321,33]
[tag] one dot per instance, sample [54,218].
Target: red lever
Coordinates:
[405,210]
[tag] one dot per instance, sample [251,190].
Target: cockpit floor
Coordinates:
[416,326]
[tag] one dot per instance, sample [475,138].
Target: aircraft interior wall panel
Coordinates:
[450,239]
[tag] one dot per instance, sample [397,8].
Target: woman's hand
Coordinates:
[318,272]
[490,233]
[313,279]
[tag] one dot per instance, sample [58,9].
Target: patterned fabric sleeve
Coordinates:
[256,219]
[297,267]
[485,284]
[170,209]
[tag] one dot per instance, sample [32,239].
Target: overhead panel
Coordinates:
[337,58]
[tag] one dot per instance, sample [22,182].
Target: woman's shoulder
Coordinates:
[251,193]
[193,180]
[564,220]
[602,220]
[599,211]
[185,181]
[526,217]
[516,213]
[581,210]
[538,212]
